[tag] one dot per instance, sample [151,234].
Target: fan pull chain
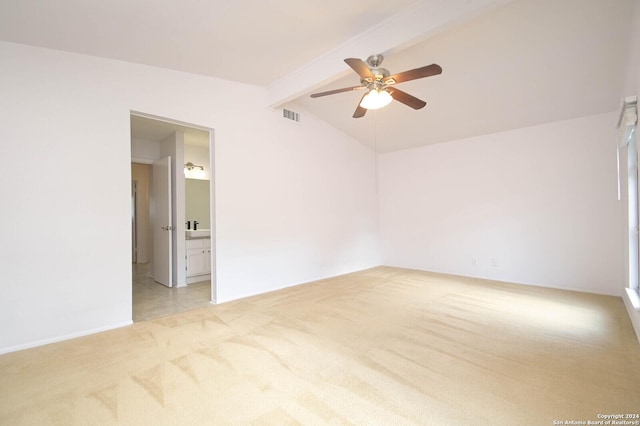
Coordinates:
[375,150]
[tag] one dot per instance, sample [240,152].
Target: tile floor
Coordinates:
[152,300]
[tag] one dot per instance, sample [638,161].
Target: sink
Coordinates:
[198,233]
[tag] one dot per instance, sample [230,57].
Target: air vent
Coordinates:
[291,115]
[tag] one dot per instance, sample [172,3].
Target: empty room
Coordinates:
[364,212]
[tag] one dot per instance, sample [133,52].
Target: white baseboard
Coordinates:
[632,303]
[634,298]
[198,278]
[62,338]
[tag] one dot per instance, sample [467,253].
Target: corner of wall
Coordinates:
[632,310]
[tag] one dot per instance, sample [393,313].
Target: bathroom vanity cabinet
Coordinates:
[198,259]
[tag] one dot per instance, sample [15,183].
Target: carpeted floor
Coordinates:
[384,346]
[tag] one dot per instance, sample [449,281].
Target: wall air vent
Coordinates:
[291,115]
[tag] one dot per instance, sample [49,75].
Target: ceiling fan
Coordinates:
[380,84]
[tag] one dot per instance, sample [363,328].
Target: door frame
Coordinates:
[212,205]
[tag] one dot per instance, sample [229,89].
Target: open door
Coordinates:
[162,221]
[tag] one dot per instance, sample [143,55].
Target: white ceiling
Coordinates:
[526,63]
[506,64]
[252,41]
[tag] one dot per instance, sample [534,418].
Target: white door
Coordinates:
[162,223]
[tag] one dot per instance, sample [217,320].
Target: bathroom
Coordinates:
[197,213]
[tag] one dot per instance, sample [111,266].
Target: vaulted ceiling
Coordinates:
[507,64]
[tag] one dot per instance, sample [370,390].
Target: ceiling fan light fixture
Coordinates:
[376,99]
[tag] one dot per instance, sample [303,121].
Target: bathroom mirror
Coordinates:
[197,200]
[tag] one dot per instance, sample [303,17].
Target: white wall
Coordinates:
[541,201]
[312,210]
[295,202]
[144,151]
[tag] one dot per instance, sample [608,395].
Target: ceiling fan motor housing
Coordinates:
[378,72]
[374,61]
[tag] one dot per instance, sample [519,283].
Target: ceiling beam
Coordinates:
[416,23]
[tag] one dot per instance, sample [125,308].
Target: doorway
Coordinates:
[153,138]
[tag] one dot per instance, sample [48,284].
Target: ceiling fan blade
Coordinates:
[361,68]
[360,112]
[426,71]
[333,92]
[406,98]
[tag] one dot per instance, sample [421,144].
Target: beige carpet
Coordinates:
[383,346]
